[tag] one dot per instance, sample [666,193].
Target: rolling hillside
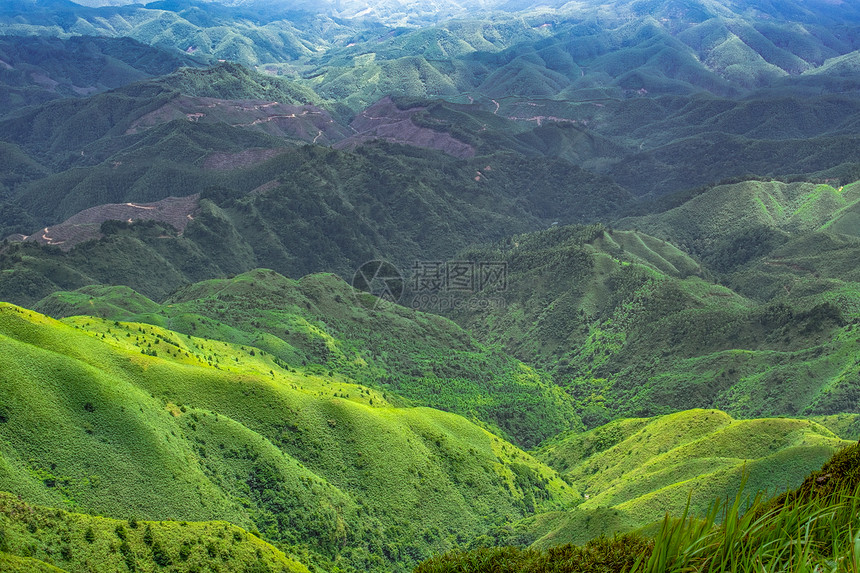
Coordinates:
[43,539]
[321,322]
[160,425]
[634,471]
[631,324]
[739,532]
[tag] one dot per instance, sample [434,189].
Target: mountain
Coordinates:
[159,425]
[614,244]
[359,53]
[39,69]
[319,466]
[416,205]
[630,323]
[322,322]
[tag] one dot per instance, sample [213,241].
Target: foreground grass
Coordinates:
[817,535]
[811,529]
[601,555]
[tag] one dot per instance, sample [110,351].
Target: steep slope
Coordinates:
[38,69]
[61,130]
[161,425]
[321,322]
[344,209]
[37,538]
[629,327]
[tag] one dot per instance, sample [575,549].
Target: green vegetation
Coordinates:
[41,69]
[41,539]
[670,185]
[319,322]
[601,555]
[805,533]
[646,467]
[631,325]
[415,205]
[157,424]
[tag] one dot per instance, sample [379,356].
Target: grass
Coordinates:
[43,539]
[601,555]
[808,529]
[815,535]
[155,424]
[635,470]
[318,322]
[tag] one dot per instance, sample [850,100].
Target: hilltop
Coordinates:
[322,323]
[634,471]
[630,324]
[159,425]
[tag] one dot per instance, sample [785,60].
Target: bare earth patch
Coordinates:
[304,122]
[384,120]
[86,225]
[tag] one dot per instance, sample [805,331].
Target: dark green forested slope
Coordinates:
[39,69]
[316,209]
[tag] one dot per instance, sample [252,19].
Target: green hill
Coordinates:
[42,539]
[738,533]
[726,212]
[321,322]
[102,125]
[159,425]
[644,468]
[633,471]
[39,69]
[630,326]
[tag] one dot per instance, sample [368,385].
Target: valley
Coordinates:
[618,242]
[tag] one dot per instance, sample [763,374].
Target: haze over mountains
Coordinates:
[188,188]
